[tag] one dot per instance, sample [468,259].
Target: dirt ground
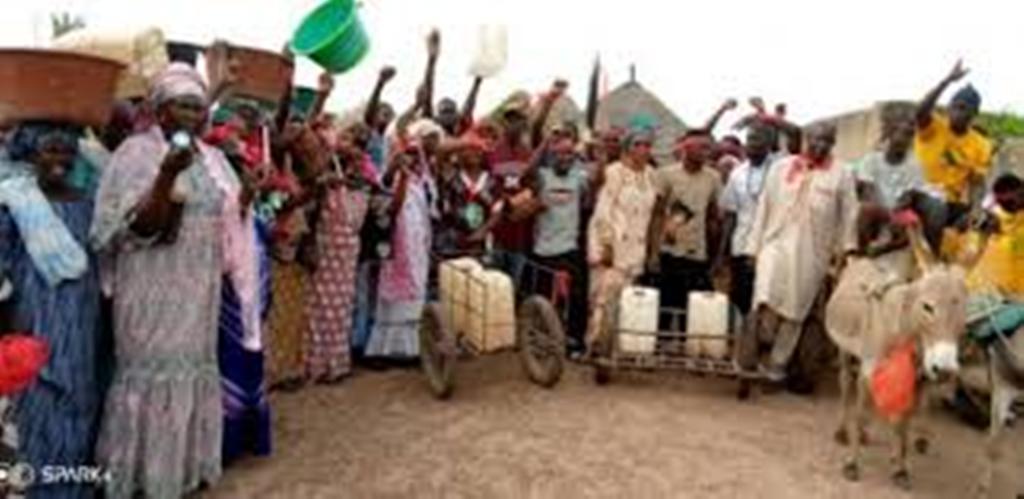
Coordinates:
[381,434]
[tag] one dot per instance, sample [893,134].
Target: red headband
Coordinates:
[692,143]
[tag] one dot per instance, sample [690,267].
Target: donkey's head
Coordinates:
[938,313]
[938,310]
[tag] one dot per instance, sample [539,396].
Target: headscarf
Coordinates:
[26,139]
[54,251]
[422,128]
[969,96]
[643,120]
[637,134]
[177,80]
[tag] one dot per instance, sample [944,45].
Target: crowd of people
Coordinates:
[202,250]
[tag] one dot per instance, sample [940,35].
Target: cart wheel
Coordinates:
[541,340]
[437,351]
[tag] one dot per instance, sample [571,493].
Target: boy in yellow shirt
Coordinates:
[955,156]
[1001,266]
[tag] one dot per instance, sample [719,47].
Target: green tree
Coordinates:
[1002,125]
[65,23]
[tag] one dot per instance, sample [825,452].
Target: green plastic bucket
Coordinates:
[332,36]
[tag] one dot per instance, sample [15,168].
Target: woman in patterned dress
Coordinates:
[287,323]
[402,292]
[343,203]
[44,230]
[169,218]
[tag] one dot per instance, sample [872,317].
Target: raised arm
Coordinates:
[712,122]
[323,91]
[793,133]
[387,73]
[927,106]
[469,107]
[433,52]
[547,103]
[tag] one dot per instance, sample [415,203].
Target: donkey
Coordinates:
[1005,366]
[872,310]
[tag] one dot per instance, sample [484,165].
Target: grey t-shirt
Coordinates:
[557,229]
[890,180]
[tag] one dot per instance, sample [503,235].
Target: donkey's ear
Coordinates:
[923,253]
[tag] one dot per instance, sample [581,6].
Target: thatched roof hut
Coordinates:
[624,105]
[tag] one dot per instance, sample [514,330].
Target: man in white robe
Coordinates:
[805,219]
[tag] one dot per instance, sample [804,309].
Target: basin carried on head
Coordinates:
[56,86]
[143,52]
[333,36]
[262,74]
[184,52]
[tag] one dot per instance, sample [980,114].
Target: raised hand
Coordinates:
[325,84]
[387,73]
[730,104]
[422,95]
[558,89]
[434,43]
[758,104]
[958,72]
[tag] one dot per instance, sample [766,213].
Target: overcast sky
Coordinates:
[821,57]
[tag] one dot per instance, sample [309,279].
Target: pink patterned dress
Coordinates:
[402,292]
[332,293]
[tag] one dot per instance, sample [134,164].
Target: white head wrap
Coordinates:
[424,127]
[177,80]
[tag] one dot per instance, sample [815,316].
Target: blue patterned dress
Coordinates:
[58,416]
[246,410]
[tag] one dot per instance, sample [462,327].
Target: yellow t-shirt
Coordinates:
[1002,264]
[949,160]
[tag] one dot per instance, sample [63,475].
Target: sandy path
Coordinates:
[382,435]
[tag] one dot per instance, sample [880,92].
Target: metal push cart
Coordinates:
[669,352]
[539,330]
